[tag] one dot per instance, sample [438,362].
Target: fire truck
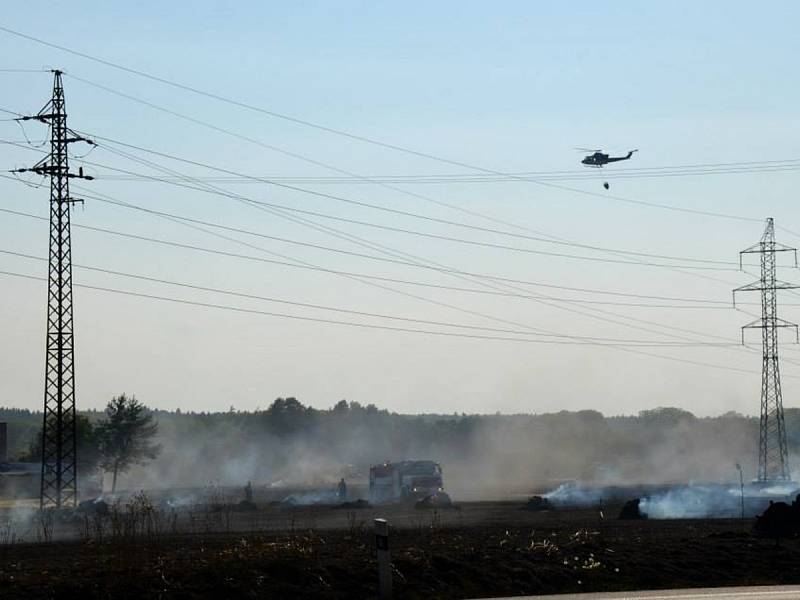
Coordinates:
[404,480]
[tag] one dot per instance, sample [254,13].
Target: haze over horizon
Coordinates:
[532,84]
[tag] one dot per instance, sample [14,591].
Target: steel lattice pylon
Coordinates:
[773,453]
[59,443]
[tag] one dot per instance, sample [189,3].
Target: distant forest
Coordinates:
[290,443]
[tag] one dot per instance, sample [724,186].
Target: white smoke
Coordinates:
[573,494]
[693,502]
[714,501]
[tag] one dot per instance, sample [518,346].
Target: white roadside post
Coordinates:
[384,562]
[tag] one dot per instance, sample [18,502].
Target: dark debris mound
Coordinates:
[360,503]
[779,520]
[97,506]
[537,503]
[630,510]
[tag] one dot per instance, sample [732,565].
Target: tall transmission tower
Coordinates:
[59,440]
[773,452]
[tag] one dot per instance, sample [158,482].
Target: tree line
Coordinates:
[290,442]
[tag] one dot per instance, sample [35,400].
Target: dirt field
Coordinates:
[484,549]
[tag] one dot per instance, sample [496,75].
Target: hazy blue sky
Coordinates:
[508,86]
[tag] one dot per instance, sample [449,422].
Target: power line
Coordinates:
[692,303]
[512,322]
[315,162]
[308,159]
[612,321]
[350,311]
[386,250]
[602,318]
[408,330]
[312,161]
[674,359]
[368,205]
[409,231]
[357,137]
[542,300]
[569,341]
[610,176]
[175,181]
[354,238]
[731,265]
[704,301]
[723,168]
[574,310]
[560,187]
[380,286]
[362,241]
[789,231]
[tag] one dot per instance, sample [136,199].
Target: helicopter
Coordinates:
[599,158]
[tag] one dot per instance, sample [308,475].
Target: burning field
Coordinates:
[309,533]
[291,543]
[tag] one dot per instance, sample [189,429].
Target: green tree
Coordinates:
[287,416]
[126,436]
[666,415]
